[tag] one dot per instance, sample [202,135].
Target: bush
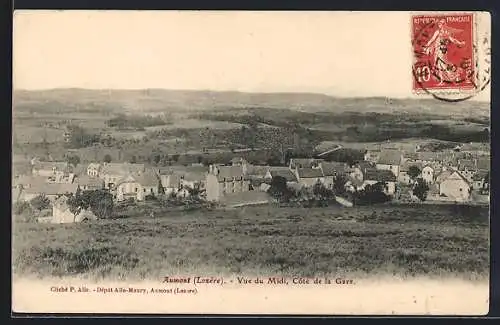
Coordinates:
[40,202]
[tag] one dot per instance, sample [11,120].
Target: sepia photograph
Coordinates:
[239,162]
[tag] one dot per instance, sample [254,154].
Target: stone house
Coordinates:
[308,177]
[304,163]
[390,160]
[428,173]
[467,167]
[454,186]
[372,176]
[94,169]
[222,180]
[111,173]
[137,186]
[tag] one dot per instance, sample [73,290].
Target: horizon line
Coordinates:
[427,96]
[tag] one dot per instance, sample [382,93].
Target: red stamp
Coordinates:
[443,47]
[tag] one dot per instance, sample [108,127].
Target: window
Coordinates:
[460,189]
[144,190]
[136,189]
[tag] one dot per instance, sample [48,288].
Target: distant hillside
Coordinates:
[158,100]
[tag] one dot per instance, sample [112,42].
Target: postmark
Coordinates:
[446,52]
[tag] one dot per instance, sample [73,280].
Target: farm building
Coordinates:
[304,163]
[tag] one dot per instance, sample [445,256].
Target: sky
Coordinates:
[335,53]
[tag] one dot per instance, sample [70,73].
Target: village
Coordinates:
[458,176]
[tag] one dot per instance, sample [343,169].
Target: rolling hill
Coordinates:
[162,100]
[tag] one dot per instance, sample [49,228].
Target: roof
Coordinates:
[333,168]
[429,155]
[88,180]
[411,155]
[310,172]
[443,175]
[79,169]
[480,175]
[285,173]
[305,162]
[148,178]
[194,176]
[122,168]
[245,198]
[229,172]
[364,164]
[406,166]
[258,170]
[49,165]
[378,175]
[469,164]
[390,157]
[456,175]
[94,165]
[52,188]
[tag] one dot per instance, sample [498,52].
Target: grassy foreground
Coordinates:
[382,240]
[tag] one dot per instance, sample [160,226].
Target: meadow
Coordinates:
[385,240]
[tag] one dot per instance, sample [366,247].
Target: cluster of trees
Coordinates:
[80,138]
[136,122]
[371,194]
[100,202]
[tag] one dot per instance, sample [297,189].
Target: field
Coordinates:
[406,241]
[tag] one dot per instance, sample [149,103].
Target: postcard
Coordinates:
[239,162]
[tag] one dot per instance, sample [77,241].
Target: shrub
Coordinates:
[40,202]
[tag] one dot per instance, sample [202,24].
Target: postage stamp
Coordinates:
[444,53]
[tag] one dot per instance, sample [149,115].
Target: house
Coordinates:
[390,160]
[410,156]
[285,172]
[304,163]
[86,182]
[222,180]
[170,182]
[404,175]
[137,186]
[481,180]
[430,156]
[467,167]
[331,170]
[51,191]
[308,177]
[193,176]
[237,161]
[111,173]
[454,186]
[94,169]
[428,172]
[372,176]
[48,168]
[61,212]
[357,171]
